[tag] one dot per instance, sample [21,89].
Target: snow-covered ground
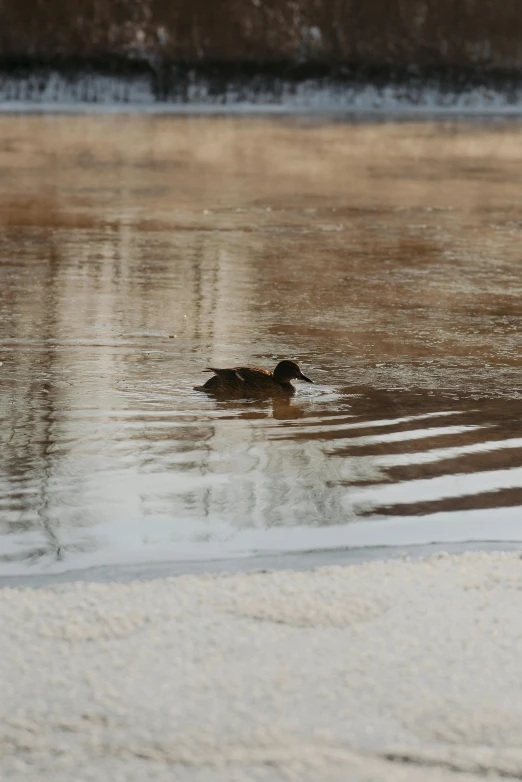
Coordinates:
[398,670]
[48,90]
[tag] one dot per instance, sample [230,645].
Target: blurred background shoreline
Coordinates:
[295,55]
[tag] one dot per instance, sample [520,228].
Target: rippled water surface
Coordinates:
[137,250]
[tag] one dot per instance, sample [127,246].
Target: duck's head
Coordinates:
[286,371]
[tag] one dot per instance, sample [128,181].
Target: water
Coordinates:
[137,250]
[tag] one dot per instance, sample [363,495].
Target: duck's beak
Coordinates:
[303,377]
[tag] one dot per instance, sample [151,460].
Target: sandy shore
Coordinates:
[401,670]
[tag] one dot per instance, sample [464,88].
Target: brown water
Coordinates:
[135,251]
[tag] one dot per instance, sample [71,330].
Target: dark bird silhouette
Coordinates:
[251,381]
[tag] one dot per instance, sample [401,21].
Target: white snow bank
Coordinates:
[405,670]
[48,90]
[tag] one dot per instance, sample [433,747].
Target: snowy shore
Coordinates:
[47,90]
[397,670]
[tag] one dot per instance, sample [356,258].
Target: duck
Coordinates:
[253,381]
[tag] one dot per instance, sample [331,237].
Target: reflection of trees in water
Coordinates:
[476,439]
[239,471]
[52,548]
[30,463]
[335,467]
[129,281]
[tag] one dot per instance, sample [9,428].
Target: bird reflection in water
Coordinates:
[281,408]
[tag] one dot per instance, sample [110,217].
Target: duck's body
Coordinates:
[252,381]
